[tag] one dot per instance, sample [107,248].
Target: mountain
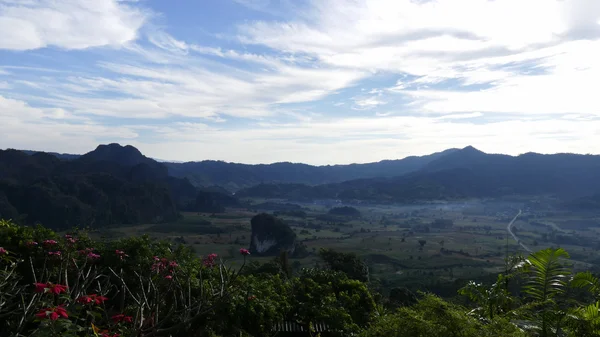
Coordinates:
[236,176]
[464,173]
[113,184]
[66,156]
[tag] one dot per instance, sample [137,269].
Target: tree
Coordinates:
[347,263]
[434,317]
[421,244]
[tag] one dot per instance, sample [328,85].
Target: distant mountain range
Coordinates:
[458,174]
[118,184]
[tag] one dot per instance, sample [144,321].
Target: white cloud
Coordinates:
[69,24]
[505,76]
[470,43]
[372,139]
[366,103]
[49,129]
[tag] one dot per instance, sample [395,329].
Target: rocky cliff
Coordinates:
[270,235]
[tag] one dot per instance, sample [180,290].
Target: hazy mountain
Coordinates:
[461,173]
[235,176]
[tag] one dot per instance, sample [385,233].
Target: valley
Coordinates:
[461,240]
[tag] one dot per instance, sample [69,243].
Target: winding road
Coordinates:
[509,229]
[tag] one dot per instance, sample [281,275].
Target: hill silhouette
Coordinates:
[113,184]
[464,173]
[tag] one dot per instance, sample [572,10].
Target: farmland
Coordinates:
[429,246]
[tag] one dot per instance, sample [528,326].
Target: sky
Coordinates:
[313,81]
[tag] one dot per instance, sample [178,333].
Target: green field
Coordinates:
[387,237]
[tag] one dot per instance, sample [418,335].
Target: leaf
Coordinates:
[547,276]
[586,280]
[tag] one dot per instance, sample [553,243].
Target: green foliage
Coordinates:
[548,276]
[347,263]
[433,317]
[331,297]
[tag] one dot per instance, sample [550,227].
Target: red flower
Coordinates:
[40,287]
[92,299]
[3,251]
[105,333]
[57,288]
[250,298]
[122,318]
[53,313]
[93,256]
[173,264]
[244,251]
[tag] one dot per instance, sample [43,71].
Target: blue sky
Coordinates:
[314,81]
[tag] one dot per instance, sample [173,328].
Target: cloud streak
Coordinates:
[330,81]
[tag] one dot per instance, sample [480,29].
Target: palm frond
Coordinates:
[547,276]
[586,280]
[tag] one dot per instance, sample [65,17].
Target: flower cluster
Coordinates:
[50,242]
[121,254]
[53,313]
[71,240]
[163,264]
[3,251]
[209,261]
[50,288]
[92,299]
[56,253]
[244,251]
[122,318]
[89,253]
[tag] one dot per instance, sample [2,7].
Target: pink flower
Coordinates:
[209,261]
[93,256]
[56,253]
[85,251]
[31,244]
[50,242]
[169,277]
[3,251]
[121,254]
[244,251]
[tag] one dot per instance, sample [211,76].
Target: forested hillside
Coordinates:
[110,185]
[466,173]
